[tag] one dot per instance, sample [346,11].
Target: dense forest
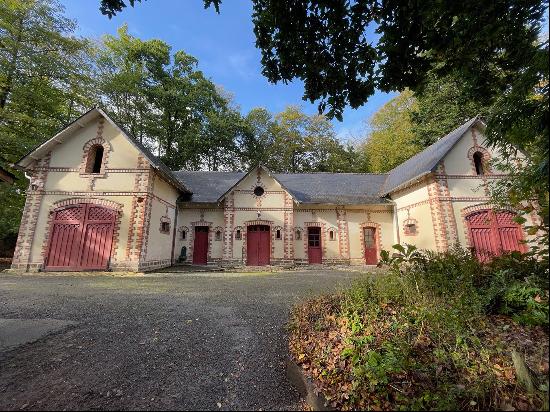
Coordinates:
[49,76]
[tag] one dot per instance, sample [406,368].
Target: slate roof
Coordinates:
[425,161]
[326,188]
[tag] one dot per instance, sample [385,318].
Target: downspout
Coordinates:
[174,235]
[395,222]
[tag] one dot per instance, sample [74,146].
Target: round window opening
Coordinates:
[259,191]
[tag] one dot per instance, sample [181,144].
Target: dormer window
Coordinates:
[478,163]
[95,159]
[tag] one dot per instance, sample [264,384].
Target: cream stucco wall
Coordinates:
[61,180]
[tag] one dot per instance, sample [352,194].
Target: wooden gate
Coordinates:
[494,232]
[371,253]
[258,251]
[314,251]
[81,238]
[200,245]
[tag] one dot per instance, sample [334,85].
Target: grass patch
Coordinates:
[434,332]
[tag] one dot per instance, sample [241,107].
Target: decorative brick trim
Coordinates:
[181,231]
[61,204]
[334,235]
[229,223]
[307,225]
[216,230]
[165,219]
[191,237]
[471,210]
[29,219]
[407,223]
[245,235]
[140,201]
[438,218]
[377,237]
[343,233]
[87,159]
[288,224]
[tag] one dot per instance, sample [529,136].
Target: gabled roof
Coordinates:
[41,150]
[318,188]
[426,161]
[266,170]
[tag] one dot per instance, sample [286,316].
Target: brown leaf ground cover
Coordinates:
[396,341]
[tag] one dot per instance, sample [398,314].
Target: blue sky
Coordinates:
[224,45]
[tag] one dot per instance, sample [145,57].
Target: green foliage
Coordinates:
[167,103]
[442,104]
[420,337]
[44,82]
[294,142]
[391,139]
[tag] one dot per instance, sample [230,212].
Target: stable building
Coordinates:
[99,200]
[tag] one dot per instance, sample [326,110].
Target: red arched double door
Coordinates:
[81,238]
[493,232]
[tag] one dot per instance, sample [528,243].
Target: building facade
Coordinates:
[99,200]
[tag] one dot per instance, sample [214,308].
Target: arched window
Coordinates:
[331,234]
[478,163]
[278,234]
[95,159]
[218,235]
[238,235]
[298,234]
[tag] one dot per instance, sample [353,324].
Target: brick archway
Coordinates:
[492,231]
[82,234]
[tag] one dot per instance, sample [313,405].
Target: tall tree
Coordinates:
[43,83]
[391,140]
[442,104]
[325,43]
[168,103]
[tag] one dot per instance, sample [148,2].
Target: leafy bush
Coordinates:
[418,336]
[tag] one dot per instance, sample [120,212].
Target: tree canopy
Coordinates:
[327,45]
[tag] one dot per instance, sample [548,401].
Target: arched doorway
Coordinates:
[81,237]
[493,232]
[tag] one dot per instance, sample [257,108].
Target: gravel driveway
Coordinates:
[160,341]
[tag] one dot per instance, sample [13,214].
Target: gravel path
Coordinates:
[162,341]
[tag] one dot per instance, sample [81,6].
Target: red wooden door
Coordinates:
[81,238]
[314,251]
[492,233]
[258,251]
[97,237]
[200,246]
[371,253]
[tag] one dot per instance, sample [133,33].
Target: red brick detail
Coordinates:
[87,160]
[377,237]
[486,161]
[229,225]
[192,238]
[29,219]
[343,233]
[465,212]
[288,227]
[73,201]
[407,227]
[245,233]
[144,224]
[440,233]
[138,211]
[322,225]
[446,205]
